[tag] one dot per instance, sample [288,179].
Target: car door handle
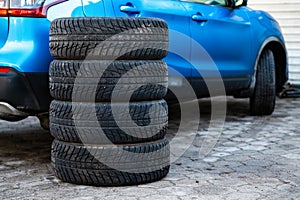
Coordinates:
[129,9]
[199,18]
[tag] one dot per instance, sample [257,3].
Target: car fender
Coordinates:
[265,43]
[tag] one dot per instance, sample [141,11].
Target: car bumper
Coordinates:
[23,94]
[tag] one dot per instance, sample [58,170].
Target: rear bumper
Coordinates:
[23,94]
[9,113]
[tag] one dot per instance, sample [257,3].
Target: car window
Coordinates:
[208,2]
[3,4]
[238,2]
[22,3]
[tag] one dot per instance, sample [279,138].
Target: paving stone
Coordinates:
[221,154]
[231,132]
[261,163]
[227,164]
[227,149]
[253,148]
[254,158]
[243,195]
[292,156]
[211,159]
[260,143]
[14,163]
[238,158]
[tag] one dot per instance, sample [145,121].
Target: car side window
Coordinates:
[22,3]
[208,2]
[3,4]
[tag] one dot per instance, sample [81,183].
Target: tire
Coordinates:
[110,165]
[145,80]
[262,102]
[95,123]
[108,38]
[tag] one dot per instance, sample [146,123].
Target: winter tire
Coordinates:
[110,165]
[98,124]
[98,80]
[107,38]
[262,102]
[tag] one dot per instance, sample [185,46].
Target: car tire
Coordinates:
[134,80]
[262,102]
[44,120]
[108,117]
[106,38]
[96,123]
[110,165]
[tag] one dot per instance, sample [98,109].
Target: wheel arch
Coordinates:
[278,48]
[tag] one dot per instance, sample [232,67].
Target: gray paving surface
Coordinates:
[255,158]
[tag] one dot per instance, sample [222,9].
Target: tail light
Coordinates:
[26,8]
[4,70]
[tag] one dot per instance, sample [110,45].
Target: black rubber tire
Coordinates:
[262,102]
[107,38]
[148,122]
[110,165]
[146,80]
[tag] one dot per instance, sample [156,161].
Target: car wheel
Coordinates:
[135,80]
[262,102]
[98,124]
[44,120]
[108,38]
[111,165]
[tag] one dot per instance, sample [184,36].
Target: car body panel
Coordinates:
[4,30]
[23,49]
[94,8]
[228,49]
[3,25]
[267,27]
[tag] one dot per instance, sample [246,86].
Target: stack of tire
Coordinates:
[108,115]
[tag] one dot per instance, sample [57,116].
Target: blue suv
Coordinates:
[246,46]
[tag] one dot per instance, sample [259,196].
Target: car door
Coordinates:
[178,21]
[225,34]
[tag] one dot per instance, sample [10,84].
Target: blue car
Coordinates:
[245,45]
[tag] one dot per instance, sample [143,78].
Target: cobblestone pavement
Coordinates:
[255,158]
